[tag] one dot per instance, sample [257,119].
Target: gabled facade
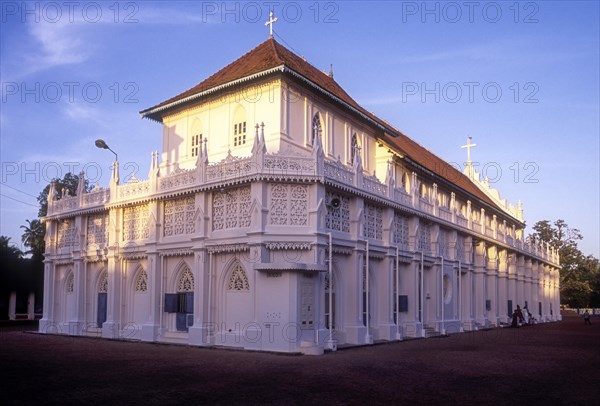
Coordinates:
[280,215]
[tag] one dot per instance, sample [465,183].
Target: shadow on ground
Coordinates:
[553,363]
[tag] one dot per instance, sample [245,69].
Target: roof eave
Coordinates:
[152,112]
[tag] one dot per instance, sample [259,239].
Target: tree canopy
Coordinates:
[8,249]
[68,184]
[579,274]
[33,237]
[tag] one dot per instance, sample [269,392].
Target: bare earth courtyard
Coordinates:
[553,363]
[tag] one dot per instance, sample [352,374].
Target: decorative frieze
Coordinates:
[97,230]
[135,222]
[231,208]
[179,216]
[288,246]
[373,222]
[401,236]
[67,233]
[217,249]
[424,237]
[289,205]
[338,218]
[178,252]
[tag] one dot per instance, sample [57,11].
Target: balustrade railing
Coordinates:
[290,166]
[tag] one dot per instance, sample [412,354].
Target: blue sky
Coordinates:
[522,78]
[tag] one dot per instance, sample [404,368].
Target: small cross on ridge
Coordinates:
[270,23]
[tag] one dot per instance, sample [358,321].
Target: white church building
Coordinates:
[280,215]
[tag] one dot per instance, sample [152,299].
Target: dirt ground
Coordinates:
[553,363]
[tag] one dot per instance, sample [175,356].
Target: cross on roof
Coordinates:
[270,23]
[468,147]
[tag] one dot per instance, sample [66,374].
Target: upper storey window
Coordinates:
[239,133]
[195,144]
[354,148]
[195,139]
[239,127]
[317,129]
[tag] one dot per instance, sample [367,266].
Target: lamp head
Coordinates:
[101,144]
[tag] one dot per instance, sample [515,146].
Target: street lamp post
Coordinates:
[103,145]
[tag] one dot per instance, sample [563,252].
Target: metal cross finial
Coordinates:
[468,147]
[270,23]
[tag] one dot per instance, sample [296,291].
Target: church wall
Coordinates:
[253,253]
[215,120]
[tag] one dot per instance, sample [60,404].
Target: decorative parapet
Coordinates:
[293,165]
[181,178]
[338,172]
[133,189]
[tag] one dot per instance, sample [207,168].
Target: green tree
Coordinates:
[8,249]
[68,184]
[33,237]
[579,275]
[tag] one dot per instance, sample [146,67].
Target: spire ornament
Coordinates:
[270,23]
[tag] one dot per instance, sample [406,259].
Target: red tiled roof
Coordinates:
[438,166]
[270,55]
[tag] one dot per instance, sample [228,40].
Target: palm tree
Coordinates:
[8,249]
[33,237]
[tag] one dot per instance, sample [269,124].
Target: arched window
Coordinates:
[239,127]
[317,129]
[354,148]
[195,138]
[238,280]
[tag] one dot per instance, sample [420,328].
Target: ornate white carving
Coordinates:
[216,249]
[288,246]
[179,178]
[339,172]
[179,216]
[401,230]
[289,205]
[230,168]
[141,281]
[373,222]
[277,163]
[65,204]
[238,279]
[338,219]
[97,229]
[135,222]
[67,233]
[103,285]
[178,252]
[96,196]
[373,185]
[424,240]
[134,189]
[186,281]
[231,209]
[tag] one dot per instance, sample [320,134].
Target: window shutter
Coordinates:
[189,302]
[171,302]
[403,302]
[102,306]
[180,322]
